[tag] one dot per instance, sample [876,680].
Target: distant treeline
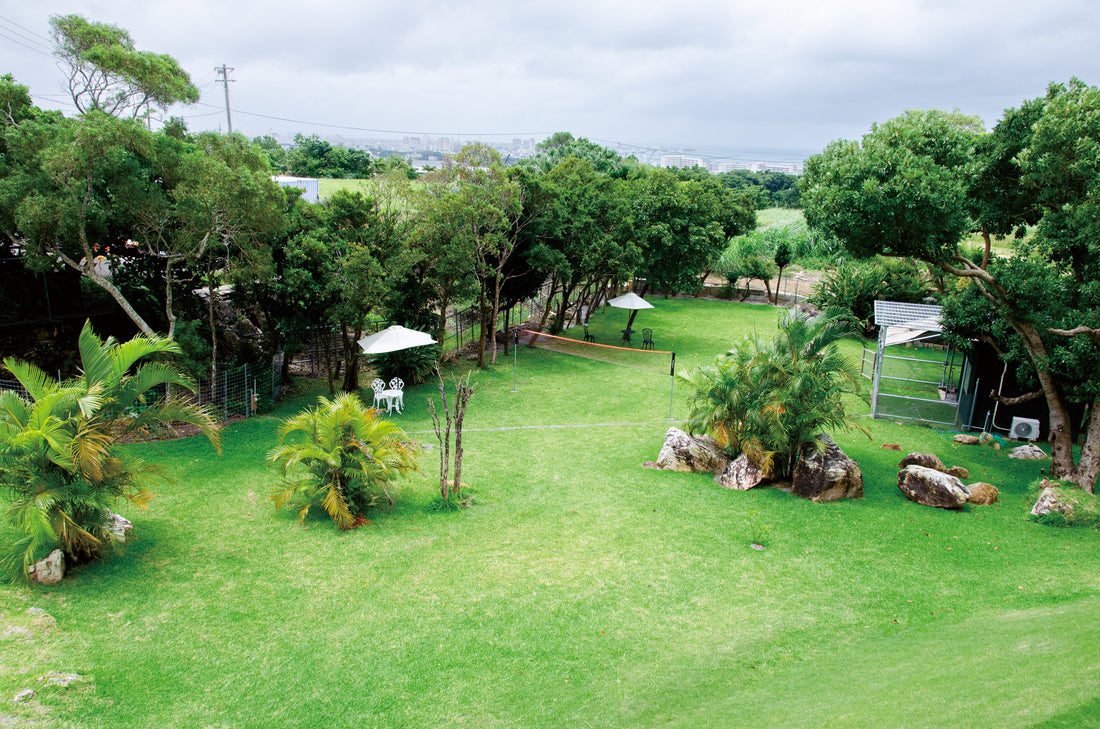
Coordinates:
[314,157]
[773,189]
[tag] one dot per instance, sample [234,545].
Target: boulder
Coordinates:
[931,487]
[982,494]
[826,475]
[49,570]
[683,452]
[1050,502]
[958,472]
[117,526]
[1029,452]
[927,460]
[967,439]
[740,475]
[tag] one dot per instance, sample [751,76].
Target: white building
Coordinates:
[311,186]
[679,160]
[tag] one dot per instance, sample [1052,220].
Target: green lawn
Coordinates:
[580,590]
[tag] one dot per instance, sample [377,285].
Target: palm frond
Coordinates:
[35,381]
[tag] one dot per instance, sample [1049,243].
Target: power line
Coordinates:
[28,33]
[20,43]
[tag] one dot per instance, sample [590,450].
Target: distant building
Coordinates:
[310,185]
[679,160]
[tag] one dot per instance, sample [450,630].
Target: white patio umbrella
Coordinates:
[391,339]
[629,301]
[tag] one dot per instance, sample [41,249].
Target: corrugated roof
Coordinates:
[911,316]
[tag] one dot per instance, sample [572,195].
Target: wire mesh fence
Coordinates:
[236,392]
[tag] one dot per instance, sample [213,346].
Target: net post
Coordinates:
[672,391]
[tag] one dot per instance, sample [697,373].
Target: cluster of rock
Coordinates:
[925,479]
[50,569]
[825,475]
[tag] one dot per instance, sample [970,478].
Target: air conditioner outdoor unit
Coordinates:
[1025,429]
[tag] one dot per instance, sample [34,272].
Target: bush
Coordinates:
[768,397]
[855,285]
[414,365]
[346,463]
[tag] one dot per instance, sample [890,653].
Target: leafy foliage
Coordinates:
[767,398]
[347,462]
[855,285]
[58,459]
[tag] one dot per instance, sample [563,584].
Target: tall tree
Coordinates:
[107,74]
[906,191]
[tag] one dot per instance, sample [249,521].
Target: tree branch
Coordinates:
[1028,397]
[1093,334]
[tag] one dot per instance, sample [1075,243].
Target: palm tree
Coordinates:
[770,398]
[59,460]
[349,457]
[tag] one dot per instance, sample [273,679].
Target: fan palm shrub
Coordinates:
[769,398]
[60,465]
[345,463]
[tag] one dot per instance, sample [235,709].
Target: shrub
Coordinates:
[767,398]
[855,285]
[58,458]
[346,464]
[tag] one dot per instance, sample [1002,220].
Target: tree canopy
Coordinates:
[916,184]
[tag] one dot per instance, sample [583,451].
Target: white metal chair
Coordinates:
[396,393]
[380,396]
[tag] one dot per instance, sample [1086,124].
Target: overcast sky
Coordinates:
[768,79]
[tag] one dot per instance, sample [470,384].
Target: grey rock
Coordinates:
[48,570]
[927,460]
[967,439]
[740,475]
[24,695]
[1050,502]
[683,452]
[931,487]
[117,526]
[1029,452]
[828,475]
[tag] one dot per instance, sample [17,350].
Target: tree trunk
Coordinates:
[497,285]
[483,310]
[1088,467]
[351,352]
[1061,436]
[213,327]
[441,331]
[463,392]
[559,317]
[549,300]
[634,312]
[778,281]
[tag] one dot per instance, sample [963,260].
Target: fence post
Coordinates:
[225,396]
[247,401]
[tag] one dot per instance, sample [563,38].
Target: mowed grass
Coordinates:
[581,589]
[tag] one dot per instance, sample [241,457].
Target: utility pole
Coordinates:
[224,71]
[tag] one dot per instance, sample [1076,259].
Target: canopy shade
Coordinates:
[391,339]
[630,301]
